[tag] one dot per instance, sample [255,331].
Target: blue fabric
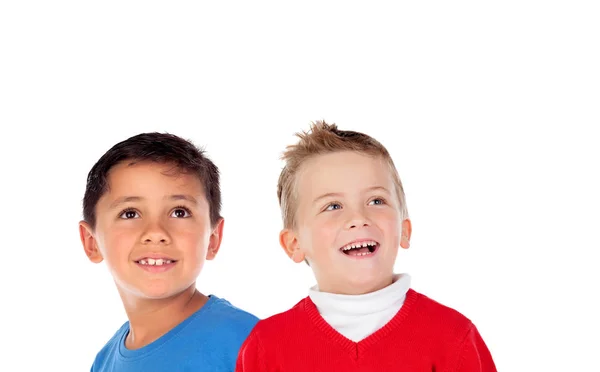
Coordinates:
[209,340]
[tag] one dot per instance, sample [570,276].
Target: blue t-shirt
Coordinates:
[209,340]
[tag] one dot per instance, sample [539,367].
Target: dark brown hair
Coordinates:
[160,148]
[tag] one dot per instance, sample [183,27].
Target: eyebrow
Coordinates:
[378,188]
[337,194]
[123,200]
[189,198]
[329,194]
[128,199]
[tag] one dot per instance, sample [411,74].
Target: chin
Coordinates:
[369,283]
[158,291]
[155,294]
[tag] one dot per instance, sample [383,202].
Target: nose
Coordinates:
[357,219]
[155,233]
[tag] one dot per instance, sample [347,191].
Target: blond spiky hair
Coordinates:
[323,138]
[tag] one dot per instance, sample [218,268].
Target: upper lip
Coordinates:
[361,241]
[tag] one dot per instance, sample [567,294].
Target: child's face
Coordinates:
[153,229]
[344,199]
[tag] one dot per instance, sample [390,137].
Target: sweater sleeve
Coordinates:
[251,357]
[474,355]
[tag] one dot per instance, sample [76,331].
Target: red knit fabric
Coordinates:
[423,336]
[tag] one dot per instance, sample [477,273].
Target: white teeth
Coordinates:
[154,262]
[359,245]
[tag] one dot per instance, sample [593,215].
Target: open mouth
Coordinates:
[360,248]
[155,261]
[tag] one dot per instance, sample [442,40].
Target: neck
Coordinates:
[149,319]
[355,288]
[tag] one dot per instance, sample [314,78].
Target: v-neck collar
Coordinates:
[357,349]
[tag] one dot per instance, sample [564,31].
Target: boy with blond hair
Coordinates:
[152,212]
[344,213]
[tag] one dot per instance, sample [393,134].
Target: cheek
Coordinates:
[119,242]
[390,222]
[115,248]
[190,238]
[329,229]
[324,233]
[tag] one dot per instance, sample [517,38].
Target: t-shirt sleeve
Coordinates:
[474,355]
[251,357]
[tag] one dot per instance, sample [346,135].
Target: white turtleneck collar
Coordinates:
[358,316]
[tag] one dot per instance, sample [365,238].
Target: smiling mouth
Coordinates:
[155,261]
[361,248]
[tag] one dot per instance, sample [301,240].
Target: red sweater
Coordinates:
[423,336]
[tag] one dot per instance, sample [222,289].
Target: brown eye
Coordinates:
[129,214]
[180,213]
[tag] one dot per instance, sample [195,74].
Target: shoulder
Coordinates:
[226,318]
[282,323]
[457,340]
[429,305]
[222,310]
[271,335]
[443,319]
[111,349]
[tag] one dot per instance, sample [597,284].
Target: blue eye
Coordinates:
[377,201]
[333,206]
[129,214]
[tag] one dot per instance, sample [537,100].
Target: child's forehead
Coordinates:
[336,163]
[151,176]
[342,170]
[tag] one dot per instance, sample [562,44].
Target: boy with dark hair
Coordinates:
[152,213]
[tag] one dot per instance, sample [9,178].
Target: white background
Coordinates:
[490,111]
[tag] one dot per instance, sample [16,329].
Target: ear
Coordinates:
[86,233]
[216,237]
[289,242]
[406,233]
